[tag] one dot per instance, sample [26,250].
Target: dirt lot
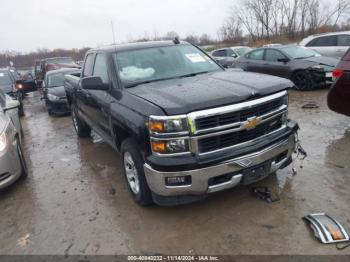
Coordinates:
[75,201]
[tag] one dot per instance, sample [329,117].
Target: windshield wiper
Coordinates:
[305,57]
[163,79]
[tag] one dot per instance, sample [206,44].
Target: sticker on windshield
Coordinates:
[195,58]
[2,74]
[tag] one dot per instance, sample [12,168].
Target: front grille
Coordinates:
[238,116]
[234,138]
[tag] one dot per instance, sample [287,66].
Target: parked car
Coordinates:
[339,95]
[227,56]
[330,44]
[45,65]
[54,92]
[12,161]
[10,86]
[305,67]
[183,125]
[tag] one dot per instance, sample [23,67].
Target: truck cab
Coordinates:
[184,126]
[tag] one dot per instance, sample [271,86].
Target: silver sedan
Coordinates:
[12,161]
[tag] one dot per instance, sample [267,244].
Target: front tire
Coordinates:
[82,129]
[302,80]
[132,167]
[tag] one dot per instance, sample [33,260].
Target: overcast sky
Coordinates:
[31,24]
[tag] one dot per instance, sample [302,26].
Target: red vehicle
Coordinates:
[339,94]
[48,64]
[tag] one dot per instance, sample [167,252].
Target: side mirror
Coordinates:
[284,60]
[11,104]
[234,56]
[93,83]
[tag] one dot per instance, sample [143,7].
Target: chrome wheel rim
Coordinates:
[131,173]
[75,121]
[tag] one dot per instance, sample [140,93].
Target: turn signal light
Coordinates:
[156,126]
[158,146]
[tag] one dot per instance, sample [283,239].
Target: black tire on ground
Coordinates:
[82,129]
[22,160]
[302,80]
[132,165]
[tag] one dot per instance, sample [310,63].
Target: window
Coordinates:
[220,53]
[273,55]
[88,66]
[343,40]
[256,55]
[324,41]
[160,63]
[100,68]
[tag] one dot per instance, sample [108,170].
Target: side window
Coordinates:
[256,55]
[100,68]
[88,65]
[343,40]
[273,55]
[220,53]
[324,41]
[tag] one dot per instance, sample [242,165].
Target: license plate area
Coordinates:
[256,173]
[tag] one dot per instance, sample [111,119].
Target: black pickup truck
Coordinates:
[184,126]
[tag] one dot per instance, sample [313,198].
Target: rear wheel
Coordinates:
[82,129]
[302,80]
[132,166]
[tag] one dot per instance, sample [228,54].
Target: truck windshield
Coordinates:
[161,63]
[63,60]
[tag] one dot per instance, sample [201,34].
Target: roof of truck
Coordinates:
[134,46]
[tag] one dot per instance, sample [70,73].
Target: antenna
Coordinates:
[113,33]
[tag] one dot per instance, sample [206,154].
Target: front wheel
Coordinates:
[302,80]
[132,166]
[82,129]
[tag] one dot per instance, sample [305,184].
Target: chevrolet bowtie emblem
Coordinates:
[252,122]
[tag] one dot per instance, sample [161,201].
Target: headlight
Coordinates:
[172,124]
[171,146]
[3,141]
[19,86]
[52,97]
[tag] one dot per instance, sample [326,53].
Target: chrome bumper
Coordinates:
[200,177]
[10,165]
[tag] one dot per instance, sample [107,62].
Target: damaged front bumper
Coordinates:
[230,173]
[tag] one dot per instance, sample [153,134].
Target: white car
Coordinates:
[330,44]
[12,161]
[227,56]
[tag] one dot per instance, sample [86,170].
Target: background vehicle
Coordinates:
[227,56]
[305,67]
[53,63]
[54,92]
[180,121]
[339,95]
[12,161]
[9,85]
[329,44]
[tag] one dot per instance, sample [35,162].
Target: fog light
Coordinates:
[178,181]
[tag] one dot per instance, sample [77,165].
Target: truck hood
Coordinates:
[185,95]
[57,91]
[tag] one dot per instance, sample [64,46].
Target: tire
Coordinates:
[302,80]
[132,167]
[22,160]
[82,129]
